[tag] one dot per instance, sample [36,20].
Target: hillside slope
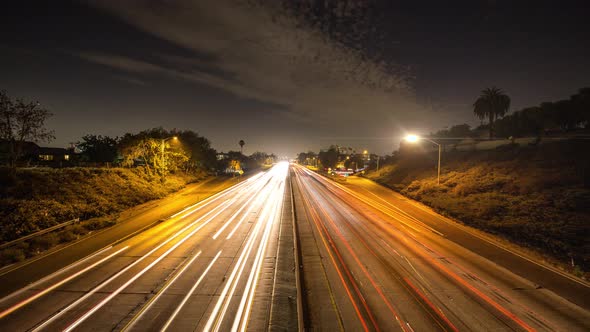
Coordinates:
[39,198]
[536,196]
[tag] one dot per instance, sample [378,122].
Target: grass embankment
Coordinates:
[35,199]
[538,197]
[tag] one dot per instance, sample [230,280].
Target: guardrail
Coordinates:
[41,232]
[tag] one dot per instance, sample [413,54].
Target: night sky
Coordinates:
[291,77]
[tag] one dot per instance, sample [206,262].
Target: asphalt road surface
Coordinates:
[286,250]
[371,262]
[211,266]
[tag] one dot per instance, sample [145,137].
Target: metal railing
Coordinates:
[41,232]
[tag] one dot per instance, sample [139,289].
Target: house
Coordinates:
[33,154]
[45,154]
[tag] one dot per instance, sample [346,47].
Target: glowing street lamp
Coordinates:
[415,138]
[175,138]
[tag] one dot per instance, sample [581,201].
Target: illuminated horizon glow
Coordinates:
[412,138]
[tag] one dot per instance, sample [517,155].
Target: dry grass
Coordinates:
[39,198]
[535,196]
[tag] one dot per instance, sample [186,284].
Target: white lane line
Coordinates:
[135,277]
[215,197]
[377,205]
[219,311]
[54,274]
[246,215]
[105,283]
[241,318]
[232,282]
[54,286]
[191,291]
[160,293]
[258,190]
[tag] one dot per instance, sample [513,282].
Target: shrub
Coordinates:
[78,229]
[44,242]
[67,236]
[11,255]
[98,223]
[535,196]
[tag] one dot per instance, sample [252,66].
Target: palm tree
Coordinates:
[493,103]
[242,143]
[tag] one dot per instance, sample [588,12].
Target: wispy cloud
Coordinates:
[131,80]
[258,52]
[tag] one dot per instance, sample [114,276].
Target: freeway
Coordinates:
[375,264]
[211,266]
[368,261]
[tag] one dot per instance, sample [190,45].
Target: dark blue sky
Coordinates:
[278,79]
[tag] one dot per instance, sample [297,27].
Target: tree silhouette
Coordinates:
[242,143]
[22,121]
[493,103]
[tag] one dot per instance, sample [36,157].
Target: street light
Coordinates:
[175,138]
[415,138]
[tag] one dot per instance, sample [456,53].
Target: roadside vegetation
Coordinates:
[533,191]
[95,178]
[38,198]
[536,196]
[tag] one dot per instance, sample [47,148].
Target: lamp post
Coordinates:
[414,139]
[175,138]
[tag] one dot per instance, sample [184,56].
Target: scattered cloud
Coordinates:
[262,52]
[131,80]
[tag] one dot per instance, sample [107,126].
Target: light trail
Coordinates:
[215,197]
[108,281]
[357,260]
[254,195]
[188,295]
[160,293]
[230,286]
[143,271]
[245,306]
[219,311]
[376,205]
[476,292]
[435,312]
[259,199]
[56,285]
[201,204]
[314,216]
[55,274]
[265,189]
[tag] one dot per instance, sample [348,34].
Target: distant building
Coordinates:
[33,154]
[53,154]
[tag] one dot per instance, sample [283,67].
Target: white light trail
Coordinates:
[254,195]
[241,318]
[97,288]
[135,277]
[160,293]
[54,286]
[188,295]
[266,220]
[231,282]
[215,197]
[55,274]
